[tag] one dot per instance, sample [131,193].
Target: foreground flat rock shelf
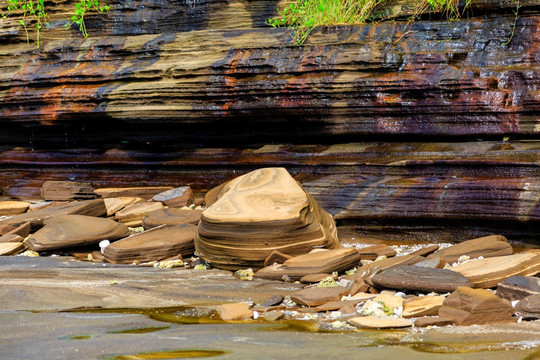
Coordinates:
[61,283]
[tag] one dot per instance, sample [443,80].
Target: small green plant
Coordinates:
[30,11]
[32,14]
[81,8]
[305,15]
[516,16]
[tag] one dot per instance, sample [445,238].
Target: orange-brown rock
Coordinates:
[36,218]
[488,246]
[67,190]
[418,278]
[133,214]
[315,262]
[374,251]
[155,244]
[316,296]
[276,257]
[236,311]
[8,208]
[171,216]
[145,192]
[422,306]
[260,212]
[487,273]
[467,306]
[68,231]
[177,197]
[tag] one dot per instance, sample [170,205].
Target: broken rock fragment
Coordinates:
[529,307]
[70,231]
[373,322]
[171,216]
[418,278]
[316,296]
[518,287]
[156,244]
[315,262]
[177,197]
[8,208]
[143,192]
[66,191]
[487,246]
[467,306]
[236,311]
[257,213]
[487,273]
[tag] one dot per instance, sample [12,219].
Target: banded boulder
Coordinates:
[260,212]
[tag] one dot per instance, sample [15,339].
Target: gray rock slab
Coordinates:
[58,283]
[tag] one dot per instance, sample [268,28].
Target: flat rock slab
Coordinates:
[142,192]
[422,306]
[487,246]
[467,306]
[171,216]
[529,307]
[67,190]
[133,214]
[433,321]
[373,252]
[36,218]
[58,283]
[70,231]
[21,230]
[257,213]
[11,248]
[177,197]
[316,296]
[11,238]
[315,262]
[417,278]
[487,273]
[236,311]
[518,287]
[373,322]
[390,262]
[156,244]
[8,208]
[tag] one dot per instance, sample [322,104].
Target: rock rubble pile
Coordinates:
[264,225]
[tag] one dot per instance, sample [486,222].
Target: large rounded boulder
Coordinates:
[263,211]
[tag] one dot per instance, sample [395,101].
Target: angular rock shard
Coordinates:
[177,197]
[260,212]
[373,322]
[8,208]
[36,218]
[315,262]
[518,287]
[67,190]
[156,244]
[529,307]
[487,273]
[171,216]
[143,192]
[467,306]
[11,248]
[487,246]
[422,306]
[133,214]
[417,278]
[70,231]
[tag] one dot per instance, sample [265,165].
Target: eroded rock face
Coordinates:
[260,212]
[403,93]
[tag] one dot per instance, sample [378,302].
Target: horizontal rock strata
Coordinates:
[442,113]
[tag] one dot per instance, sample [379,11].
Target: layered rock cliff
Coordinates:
[423,130]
